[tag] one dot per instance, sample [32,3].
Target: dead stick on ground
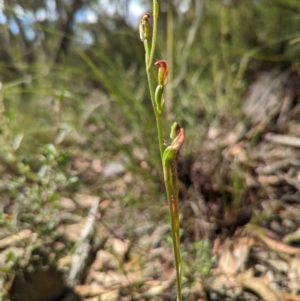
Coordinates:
[7,241]
[283,139]
[83,247]
[261,289]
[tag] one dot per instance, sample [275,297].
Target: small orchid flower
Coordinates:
[163,72]
[178,140]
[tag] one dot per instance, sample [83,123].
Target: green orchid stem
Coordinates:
[168,156]
[149,54]
[151,89]
[169,159]
[154,32]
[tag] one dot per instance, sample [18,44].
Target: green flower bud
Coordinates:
[171,152]
[174,130]
[159,100]
[145,28]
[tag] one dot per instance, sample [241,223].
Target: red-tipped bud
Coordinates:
[178,140]
[163,72]
[145,28]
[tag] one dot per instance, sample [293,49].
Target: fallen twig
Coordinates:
[7,241]
[278,246]
[83,247]
[283,139]
[290,297]
[261,289]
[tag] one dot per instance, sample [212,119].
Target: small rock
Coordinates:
[67,204]
[85,200]
[104,261]
[72,232]
[96,165]
[113,169]
[120,247]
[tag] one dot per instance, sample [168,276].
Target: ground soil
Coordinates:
[240,204]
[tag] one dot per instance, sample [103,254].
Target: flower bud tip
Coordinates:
[163,72]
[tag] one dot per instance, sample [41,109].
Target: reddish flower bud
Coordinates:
[178,140]
[163,72]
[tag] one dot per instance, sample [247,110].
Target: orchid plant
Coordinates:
[168,154]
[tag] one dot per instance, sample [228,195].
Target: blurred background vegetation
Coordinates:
[73,85]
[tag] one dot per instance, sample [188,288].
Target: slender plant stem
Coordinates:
[151,89]
[168,161]
[170,42]
[174,216]
[154,32]
[150,50]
